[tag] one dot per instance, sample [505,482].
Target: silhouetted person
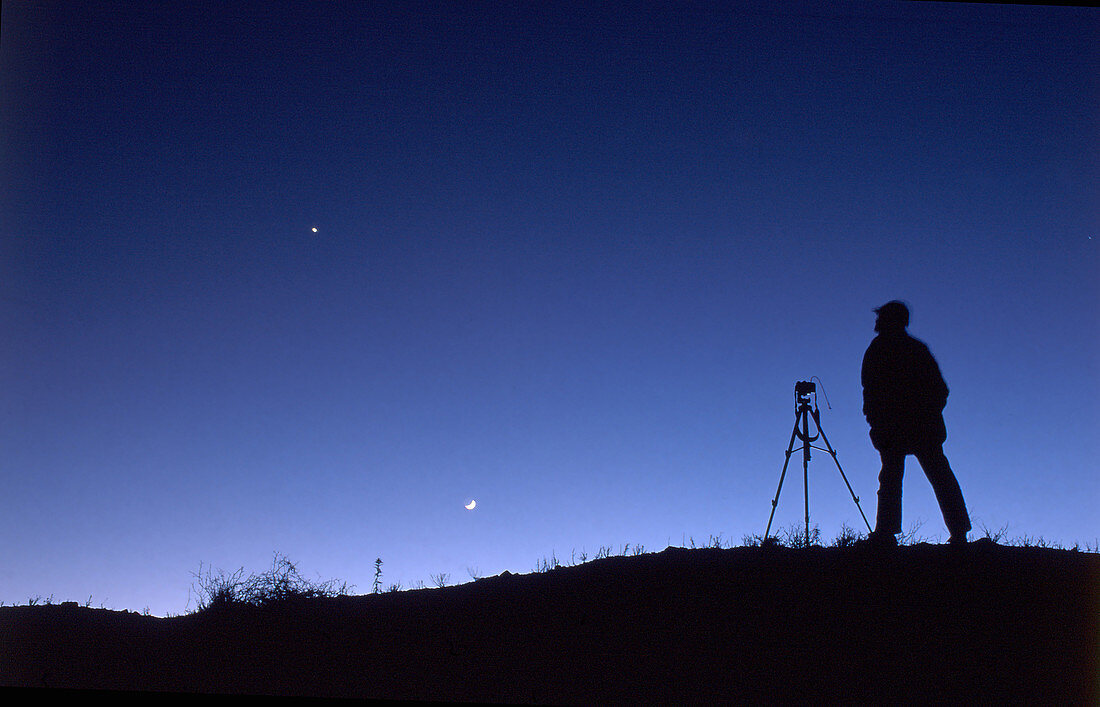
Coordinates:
[903,399]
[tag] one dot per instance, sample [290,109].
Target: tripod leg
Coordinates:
[806,439]
[775,501]
[806,488]
[832,452]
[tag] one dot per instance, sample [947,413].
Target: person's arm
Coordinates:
[935,385]
[871,378]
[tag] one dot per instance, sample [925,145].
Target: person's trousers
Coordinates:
[944,484]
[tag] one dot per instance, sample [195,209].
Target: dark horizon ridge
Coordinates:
[915,623]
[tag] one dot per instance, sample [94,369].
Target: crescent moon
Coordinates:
[471,505]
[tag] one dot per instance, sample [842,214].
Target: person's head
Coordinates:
[892,316]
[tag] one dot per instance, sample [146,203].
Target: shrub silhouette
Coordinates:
[283,583]
[848,537]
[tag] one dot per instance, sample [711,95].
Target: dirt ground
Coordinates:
[924,623]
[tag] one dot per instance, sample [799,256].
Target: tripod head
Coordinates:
[803,390]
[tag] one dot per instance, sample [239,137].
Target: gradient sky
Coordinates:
[569,262]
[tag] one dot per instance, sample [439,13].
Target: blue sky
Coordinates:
[569,262]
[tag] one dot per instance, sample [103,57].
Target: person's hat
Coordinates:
[893,312]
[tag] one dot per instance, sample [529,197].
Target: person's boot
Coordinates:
[880,540]
[957,539]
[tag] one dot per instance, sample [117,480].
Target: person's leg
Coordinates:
[946,488]
[888,520]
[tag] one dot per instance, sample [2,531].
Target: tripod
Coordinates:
[803,411]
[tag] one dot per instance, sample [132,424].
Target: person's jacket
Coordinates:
[903,392]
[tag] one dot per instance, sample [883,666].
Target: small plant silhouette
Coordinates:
[994,535]
[713,541]
[911,537]
[752,540]
[545,565]
[796,536]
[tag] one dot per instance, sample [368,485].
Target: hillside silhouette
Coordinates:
[918,623]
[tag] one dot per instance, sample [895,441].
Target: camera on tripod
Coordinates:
[804,411]
[804,389]
[803,392]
